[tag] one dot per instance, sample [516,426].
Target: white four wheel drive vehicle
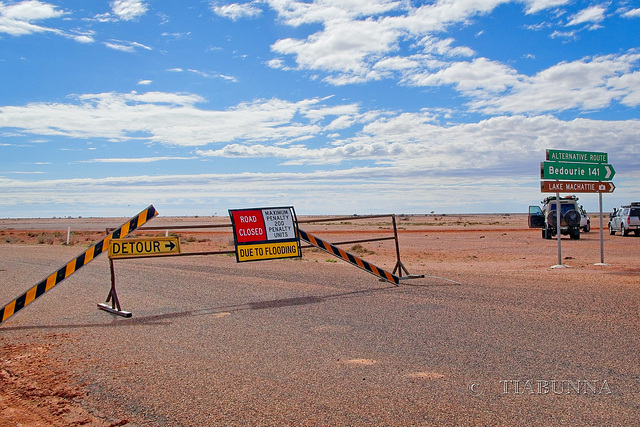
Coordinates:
[570,217]
[625,220]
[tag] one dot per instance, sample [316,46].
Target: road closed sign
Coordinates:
[265,233]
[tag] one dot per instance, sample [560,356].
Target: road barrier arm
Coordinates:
[72,266]
[348,257]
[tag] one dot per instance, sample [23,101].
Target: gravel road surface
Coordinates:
[492,336]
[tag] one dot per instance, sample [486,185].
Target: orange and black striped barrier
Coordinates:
[350,258]
[72,266]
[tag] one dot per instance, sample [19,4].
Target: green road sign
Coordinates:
[577,156]
[576,171]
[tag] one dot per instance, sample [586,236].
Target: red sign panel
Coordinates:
[249,226]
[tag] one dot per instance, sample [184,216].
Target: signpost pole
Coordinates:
[558,222]
[601,232]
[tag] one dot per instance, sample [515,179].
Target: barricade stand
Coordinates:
[399,266]
[113,297]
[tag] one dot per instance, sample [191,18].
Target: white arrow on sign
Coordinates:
[606,187]
[608,171]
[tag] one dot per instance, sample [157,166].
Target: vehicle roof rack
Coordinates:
[551,198]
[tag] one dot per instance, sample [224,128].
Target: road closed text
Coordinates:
[251,232]
[248,225]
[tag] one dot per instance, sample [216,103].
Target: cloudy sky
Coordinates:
[331,106]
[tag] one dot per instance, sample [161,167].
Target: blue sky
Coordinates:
[331,106]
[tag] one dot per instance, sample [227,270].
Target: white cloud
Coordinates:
[297,13]
[236,11]
[17,19]
[535,6]
[567,35]
[443,47]
[338,110]
[166,118]
[205,74]
[413,141]
[128,10]
[396,63]
[21,28]
[276,63]
[32,10]
[177,36]
[120,47]
[593,14]
[211,75]
[628,85]
[83,38]
[435,17]
[343,46]
[359,38]
[475,78]
[126,46]
[288,130]
[587,84]
[144,82]
[354,37]
[633,13]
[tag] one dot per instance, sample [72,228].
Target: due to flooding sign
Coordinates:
[265,233]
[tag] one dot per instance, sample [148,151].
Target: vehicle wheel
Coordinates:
[587,228]
[624,231]
[611,230]
[544,233]
[636,232]
[575,234]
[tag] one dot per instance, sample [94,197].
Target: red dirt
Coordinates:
[37,390]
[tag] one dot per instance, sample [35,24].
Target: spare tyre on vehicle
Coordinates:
[572,218]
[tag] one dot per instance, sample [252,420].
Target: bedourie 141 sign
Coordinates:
[576,171]
[265,233]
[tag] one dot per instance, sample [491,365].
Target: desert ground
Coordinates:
[492,334]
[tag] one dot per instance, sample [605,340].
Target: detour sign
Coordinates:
[143,247]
